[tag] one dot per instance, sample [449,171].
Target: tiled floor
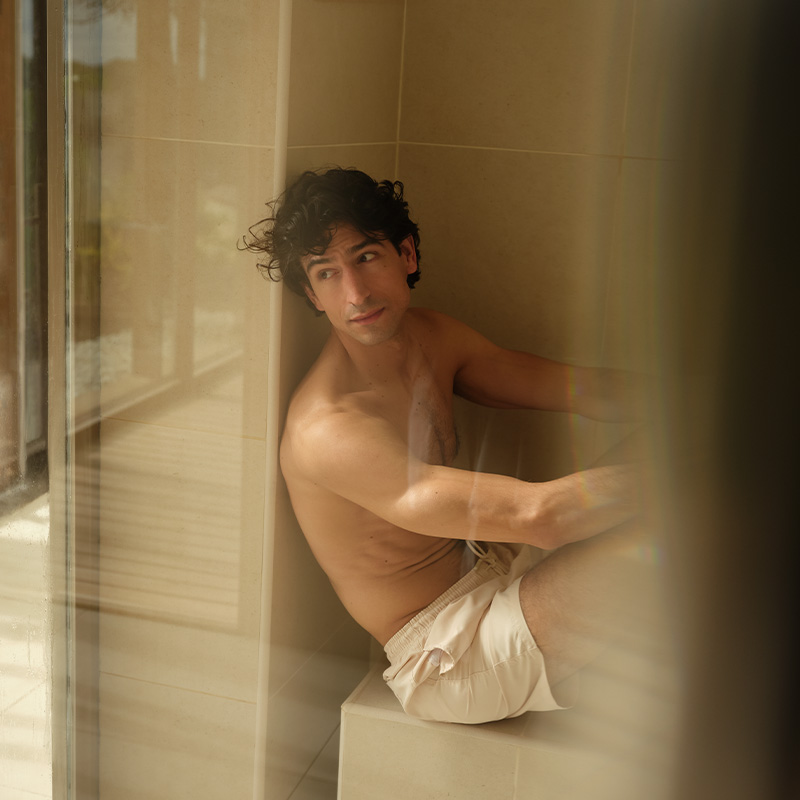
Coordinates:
[25,763]
[320,782]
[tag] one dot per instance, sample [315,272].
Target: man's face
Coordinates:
[360,284]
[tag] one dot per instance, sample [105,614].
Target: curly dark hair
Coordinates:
[305,217]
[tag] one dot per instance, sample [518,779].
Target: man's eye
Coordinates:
[324,274]
[367,256]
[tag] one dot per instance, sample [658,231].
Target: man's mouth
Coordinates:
[366,319]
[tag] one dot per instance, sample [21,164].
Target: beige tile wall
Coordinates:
[188,131]
[541,75]
[345,72]
[533,143]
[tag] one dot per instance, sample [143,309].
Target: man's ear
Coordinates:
[410,252]
[312,297]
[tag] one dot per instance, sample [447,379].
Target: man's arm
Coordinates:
[362,459]
[494,376]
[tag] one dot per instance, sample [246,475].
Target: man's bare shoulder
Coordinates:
[319,401]
[434,322]
[327,419]
[341,448]
[320,413]
[448,340]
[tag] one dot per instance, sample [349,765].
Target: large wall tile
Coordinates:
[181,519]
[177,295]
[345,72]
[642,242]
[515,244]
[529,445]
[162,743]
[25,754]
[304,711]
[181,654]
[659,73]
[188,70]
[544,75]
[305,607]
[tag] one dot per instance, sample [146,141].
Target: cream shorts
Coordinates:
[470,656]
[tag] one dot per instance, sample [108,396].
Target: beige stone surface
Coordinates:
[345,72]
[192,71]
[548,75]
[164,743]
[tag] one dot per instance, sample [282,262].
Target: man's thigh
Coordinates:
[578,599]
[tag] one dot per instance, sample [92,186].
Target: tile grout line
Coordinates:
[179,688]
[516,795]
[306,774]
[306,661]
[178,140]
[23,696]
[186,428]
[400,90]
[482,147]
[628,76]
[340,144]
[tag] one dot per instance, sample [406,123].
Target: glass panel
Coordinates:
[25,603]
[168,337]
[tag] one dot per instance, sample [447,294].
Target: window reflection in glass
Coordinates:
[25,609]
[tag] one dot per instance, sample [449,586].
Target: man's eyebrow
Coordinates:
[323,259]
[314,260]
[370,240]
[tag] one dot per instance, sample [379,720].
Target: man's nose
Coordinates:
[355,286]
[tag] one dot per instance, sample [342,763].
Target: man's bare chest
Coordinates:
[422,412]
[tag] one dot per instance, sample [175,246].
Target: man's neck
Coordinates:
[379,364]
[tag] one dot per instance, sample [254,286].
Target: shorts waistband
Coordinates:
[490,563]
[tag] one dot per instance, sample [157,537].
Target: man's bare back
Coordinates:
[383,574]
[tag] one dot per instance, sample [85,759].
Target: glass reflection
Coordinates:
[169,430]
[25,608]
[171,137]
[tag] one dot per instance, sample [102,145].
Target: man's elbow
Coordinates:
[418,507]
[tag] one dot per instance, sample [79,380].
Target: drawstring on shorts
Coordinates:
[482,554]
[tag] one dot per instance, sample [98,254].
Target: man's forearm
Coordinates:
[609,395]
[465,505]
[585,504]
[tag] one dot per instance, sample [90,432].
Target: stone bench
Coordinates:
[615,744]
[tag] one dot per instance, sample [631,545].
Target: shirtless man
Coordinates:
[367,451]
